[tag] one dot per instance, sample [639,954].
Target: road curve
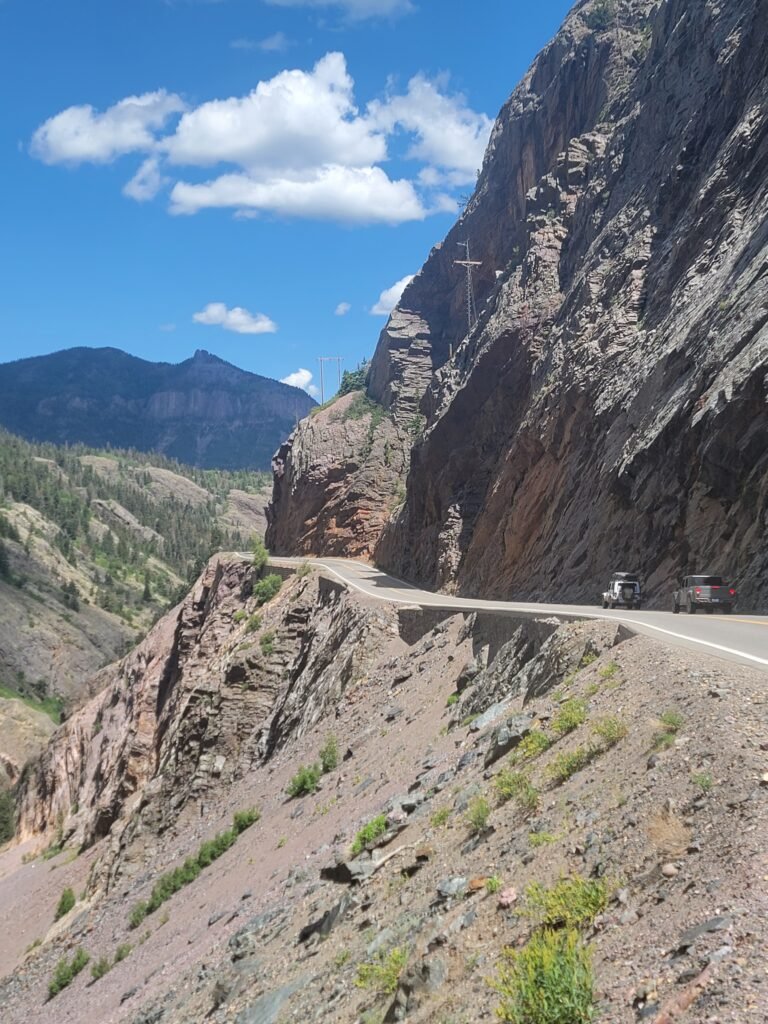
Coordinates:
[739,638]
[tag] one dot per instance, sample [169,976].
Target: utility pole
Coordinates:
[468,264]
[328,359]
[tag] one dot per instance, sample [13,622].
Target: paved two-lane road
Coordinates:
[741,638]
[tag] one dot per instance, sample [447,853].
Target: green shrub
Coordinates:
[452,699]
[267,643]
[254,623]
[537,839]
[703,780]
[610,730]
[517,786]
[123,951]
[492,884]
[570,903]
[567,764]
[383,974]
[7,816]
[329,754]
[267,588]
[477,815]
[304,570]
[100,968]
[375,828]
[66,971]
[66,902]
[305,780]
[670,722]
[609,670]
[440,817]
[548,981]
[239,615]
[532,744]
[208,852]
[260,555]
[570,716]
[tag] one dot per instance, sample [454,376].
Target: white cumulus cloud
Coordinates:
[356,9]
[276,43]
[448,134]
[236,319]
[296,145]
[342,309]
[80,134]
[302,378]
[390,297]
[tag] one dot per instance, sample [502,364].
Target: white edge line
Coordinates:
[488,606]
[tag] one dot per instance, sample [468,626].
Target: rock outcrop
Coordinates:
[608,409]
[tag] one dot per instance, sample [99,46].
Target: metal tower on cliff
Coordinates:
[468,264]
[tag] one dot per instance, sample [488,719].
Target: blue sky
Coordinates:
[252,177]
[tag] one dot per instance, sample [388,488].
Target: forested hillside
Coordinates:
[94,547]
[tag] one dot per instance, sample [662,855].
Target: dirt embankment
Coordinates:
[644,778]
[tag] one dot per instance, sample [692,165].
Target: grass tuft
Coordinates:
[610,730]
[369,833]
[66,971]
[567,764]
[571,715]
[570,903]
[65,904]
[383,974]
[516,786]
[477,815]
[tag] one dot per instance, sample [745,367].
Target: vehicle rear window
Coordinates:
[706,581]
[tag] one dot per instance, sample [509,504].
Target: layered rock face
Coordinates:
[203,699]
[608,409]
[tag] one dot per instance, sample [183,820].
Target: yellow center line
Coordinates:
[749,622]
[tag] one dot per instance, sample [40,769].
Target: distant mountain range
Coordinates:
[203,412]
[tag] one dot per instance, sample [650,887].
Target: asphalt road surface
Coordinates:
[740,638]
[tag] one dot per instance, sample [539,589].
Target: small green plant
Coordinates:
[587,659]
[592,689]
[492,884]
[267,643]
[66,902]
[567,764]
[571,715]
[452,699]
[670,722]
[267,588]
[440,817]
[305,780]
[470,719]
[548,981]
[703,780]
[329,754]
[260,555]
[610,730]
[100,968]
[510,785]
[369,833]
[123,951]
[477,815]
[533,744]
[66,971]
[609,671]
[537,839]
[254,623]
[208,852]
[383,974]
[304,570]
[342,957]
[570,903]
[239,615]
[281,842]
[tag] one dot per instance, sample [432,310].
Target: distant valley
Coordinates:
[203,411]
[94,546]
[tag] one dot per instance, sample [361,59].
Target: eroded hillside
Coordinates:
[484,759]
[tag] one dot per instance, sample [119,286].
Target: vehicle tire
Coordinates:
[690,607]
[605,604]
[675,608]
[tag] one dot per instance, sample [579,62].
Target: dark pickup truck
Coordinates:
[709,592]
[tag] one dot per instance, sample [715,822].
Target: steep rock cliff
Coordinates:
[608,408]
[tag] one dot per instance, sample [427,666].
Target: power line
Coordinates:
[468,264]
[328,359]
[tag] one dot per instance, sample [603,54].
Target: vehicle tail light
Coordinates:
[697,589]
[716,586]
[732,592]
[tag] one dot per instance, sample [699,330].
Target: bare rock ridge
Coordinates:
[609,407]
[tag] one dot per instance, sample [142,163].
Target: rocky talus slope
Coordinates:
[609,407]
[495,756]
